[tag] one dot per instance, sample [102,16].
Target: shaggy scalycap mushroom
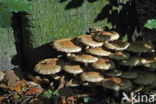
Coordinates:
[66,45]
[141,47]
[103,64]
[89,41]
[116,84]
[48,66]
[119,56]
[116,45]
[98,51]
[91,77]
[73,69]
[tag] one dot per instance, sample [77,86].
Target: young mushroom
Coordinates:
[47,67]
[66,45]
[98,51]
[117,45]
[141,47]
[88,41]
[103,64]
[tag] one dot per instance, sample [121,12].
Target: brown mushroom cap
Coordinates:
[106,36]
[114,73]
[116,84]
[83,58]
[47,66]
[116,45]
[73,69]
[129,75]
[134,61]
[88,41]
[119,55]
[103,64]
[91,77]
[141,47]
[98,51]
[145,78]
[66,45]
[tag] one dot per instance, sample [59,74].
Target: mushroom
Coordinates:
[145,78]
[73,69]
[106,36]
[88,41]
[133,61]
[119,55]
[48,67]
[151,65]
[116,84]
[114,73]
[141,47]
[98,51]
[84,58]
[66,45]
[103,64]
[129,75]
[116,45]
[91,77]
[1,76]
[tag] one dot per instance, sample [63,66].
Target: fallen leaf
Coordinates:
[33,91]
[1,98]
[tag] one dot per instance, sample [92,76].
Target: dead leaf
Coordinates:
[116,80]
[1,98]
[33,91]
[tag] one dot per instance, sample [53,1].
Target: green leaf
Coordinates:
[125,38]
[5,17]
[150,24]
[48,94]
[16,5]
[86,99]
[56,93]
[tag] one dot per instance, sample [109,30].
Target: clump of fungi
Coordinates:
[102,58]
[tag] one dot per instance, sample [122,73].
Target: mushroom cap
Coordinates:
[116,84]
[133,61]
[106,36]
[89,41]
[66,45]
[145,78]
[1,76]
[116,45]
[151,64]
[73,69]
[83,58]
[141,47]
[91,77]
[114,73]
[47,66]
[98,51]
[129,75]
[119,55]
[103,64]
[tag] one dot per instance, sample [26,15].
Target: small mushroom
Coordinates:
[119,56]
[66,45]
[91,77]
[98,51]
[73,69]
[145,78]
[114,73]
[103,64]
[141,47]
[83,58]
[87,40]
[116,45]
[48,66]
[129,75]
[106,36]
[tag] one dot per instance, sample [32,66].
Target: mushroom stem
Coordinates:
[86,65]
[68,54]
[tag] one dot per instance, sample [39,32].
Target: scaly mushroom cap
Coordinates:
[73,69]
[103,64]
[91,77]
[134,61]
[98,51]
[114,73]
[145,78]
[83,58]
[129,75]
[119,56]
[88,41]
[116,84]
[116,45]
[106,36]
[141,47]
[47,66]
[66,45]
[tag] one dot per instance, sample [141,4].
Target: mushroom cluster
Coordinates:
[102,58]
